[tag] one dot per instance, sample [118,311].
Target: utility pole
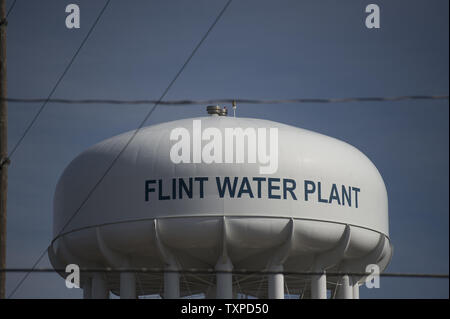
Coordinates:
[4,161]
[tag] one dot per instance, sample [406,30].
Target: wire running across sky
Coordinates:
[60,78]
[234,271]
[141,125]
[11,8]
[231,100]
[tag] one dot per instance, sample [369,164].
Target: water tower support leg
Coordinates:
[171,285]
[224,277]
[224,286]
[224,280]
[345,290]
[87,288]
[276,284]
[319,286]
[355,290]
[99,287]
[127,285]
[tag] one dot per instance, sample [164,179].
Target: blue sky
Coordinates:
[260,49]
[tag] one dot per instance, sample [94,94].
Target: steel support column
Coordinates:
[171,285]
[224,279]
[99,287]
[276,283]
[355,290]
[87,288]
[127,285]
[319,286]
[345,290]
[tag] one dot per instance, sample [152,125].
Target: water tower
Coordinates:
[323,209]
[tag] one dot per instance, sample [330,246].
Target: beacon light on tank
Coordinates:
[224,111]
[213,109]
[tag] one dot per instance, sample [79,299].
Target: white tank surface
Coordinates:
[310,203]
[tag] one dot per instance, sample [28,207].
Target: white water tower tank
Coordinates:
[150,212]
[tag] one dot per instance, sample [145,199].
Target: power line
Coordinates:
[234,271]
[45,101]
[230,100]
[150,112]
[10,8]
[43,106]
